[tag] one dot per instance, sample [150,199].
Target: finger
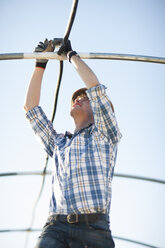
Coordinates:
[46,42]
[41,43]
[41,46]
[57,41]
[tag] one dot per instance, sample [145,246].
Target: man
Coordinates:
[84,161]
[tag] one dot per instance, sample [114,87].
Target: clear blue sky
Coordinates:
[136,89]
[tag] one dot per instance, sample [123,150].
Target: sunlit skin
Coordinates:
[81,112]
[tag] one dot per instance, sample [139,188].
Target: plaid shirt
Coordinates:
[84,161]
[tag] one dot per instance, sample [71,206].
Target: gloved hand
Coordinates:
[65,48]
[57,41]
[46,46]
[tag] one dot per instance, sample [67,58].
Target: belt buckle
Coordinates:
[69,218]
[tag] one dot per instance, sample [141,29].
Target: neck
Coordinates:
[81,125]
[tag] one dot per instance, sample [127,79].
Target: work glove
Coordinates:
[57,41]
[46,46]
[65,48]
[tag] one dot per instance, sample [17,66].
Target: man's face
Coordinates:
[81,105]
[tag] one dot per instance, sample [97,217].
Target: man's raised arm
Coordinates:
[87,75]
[32,97]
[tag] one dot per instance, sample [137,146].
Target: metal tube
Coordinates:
[115,237]
[117,56]
[153,180]
[8,56]
[135,242]
[110,56]
[47,55]
[40,173]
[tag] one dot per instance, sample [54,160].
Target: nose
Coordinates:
[76,100]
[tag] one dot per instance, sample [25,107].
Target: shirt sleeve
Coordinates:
[104,117]
[43,128]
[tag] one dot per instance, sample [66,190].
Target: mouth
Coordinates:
[76,104]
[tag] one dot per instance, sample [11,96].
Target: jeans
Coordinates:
[56,234]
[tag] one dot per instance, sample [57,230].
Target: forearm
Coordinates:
[87,75]
[104,116]
[32,97]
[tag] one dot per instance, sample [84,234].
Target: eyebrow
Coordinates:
[81,95]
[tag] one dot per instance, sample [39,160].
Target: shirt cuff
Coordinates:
[34,112]
[97,91]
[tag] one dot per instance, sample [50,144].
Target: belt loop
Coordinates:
[86,219]
[56,217]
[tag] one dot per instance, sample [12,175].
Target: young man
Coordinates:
[84,161]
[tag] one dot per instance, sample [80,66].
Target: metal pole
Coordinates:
[115,237]
[110,56]
[40,173]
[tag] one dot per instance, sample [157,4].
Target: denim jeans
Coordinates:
[56,234]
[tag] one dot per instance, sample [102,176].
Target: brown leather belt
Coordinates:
[76,218]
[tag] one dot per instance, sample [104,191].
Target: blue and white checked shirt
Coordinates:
[84,162]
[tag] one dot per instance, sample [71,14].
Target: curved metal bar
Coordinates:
[40,173]
[118,56]
[24,173]
[135,242]
[47,55]
[10,56]
[21,230]
[115,237]
[153,180]
[110,56]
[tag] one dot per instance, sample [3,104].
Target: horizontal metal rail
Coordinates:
[135,242]
[39,230]
[25,173]
[153,180]
[21,230]
[110,56]
[40,173]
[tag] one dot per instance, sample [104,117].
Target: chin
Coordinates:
[75,112]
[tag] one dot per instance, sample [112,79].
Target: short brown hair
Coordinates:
[77,93]
[82,91]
